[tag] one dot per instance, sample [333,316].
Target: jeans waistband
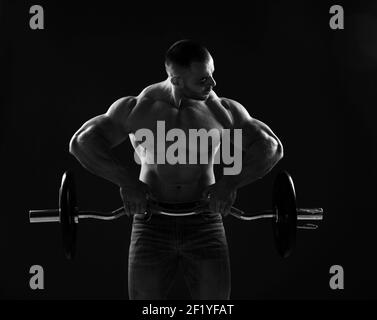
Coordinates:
[179,208]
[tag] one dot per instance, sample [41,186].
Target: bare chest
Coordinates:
[186,126]
[190,117]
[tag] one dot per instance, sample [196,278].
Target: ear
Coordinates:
[176,81]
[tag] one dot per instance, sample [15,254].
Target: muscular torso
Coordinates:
[180,182]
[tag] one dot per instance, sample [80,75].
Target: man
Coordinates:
[185,101]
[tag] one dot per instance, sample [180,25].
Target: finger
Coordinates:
[236,210]
[127,208]
[207,191]
[218,206]
[222,207]
[143,207]
[205,194]
[149,195]
[203,208]
[227,209]
[133,208]
[137,208]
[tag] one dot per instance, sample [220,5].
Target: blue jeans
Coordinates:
[159,246]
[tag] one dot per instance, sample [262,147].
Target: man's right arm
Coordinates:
[92,144]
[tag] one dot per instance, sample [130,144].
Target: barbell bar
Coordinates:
[284,214]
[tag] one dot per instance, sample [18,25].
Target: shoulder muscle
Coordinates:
[240,115]
[112,125]
[121,109]
[252,129]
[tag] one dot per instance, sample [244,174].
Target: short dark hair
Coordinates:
[182,53]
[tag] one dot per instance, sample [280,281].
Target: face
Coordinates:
[198,81]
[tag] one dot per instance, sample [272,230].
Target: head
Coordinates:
[190,69]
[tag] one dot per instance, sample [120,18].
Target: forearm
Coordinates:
[257,161]
[94,153]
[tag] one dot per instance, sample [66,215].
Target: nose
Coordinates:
[212,82]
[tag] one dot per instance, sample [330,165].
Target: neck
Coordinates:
[177,97]
[175,94]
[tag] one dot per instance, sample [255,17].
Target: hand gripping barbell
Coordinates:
[284,214]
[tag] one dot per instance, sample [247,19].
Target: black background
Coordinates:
[315,87]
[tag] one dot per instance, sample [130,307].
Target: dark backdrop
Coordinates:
[315,87]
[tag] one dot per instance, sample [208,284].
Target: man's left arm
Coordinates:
[261,148]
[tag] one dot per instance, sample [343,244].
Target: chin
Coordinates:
[198,96]
[206,95]
[202,98]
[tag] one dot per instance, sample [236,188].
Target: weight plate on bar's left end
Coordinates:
[68,211]
[284,206]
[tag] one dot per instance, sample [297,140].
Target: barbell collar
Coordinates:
[46,215]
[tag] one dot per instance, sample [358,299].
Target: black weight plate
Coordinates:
[284,206]
[68,212]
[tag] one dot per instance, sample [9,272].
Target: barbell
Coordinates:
[284,214]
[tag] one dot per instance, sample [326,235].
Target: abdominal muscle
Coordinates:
[177,183]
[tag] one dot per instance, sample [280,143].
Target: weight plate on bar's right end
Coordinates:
[284,206]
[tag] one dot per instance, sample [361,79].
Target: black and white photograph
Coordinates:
[188,152]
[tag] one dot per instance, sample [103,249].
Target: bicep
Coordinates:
[254,130]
